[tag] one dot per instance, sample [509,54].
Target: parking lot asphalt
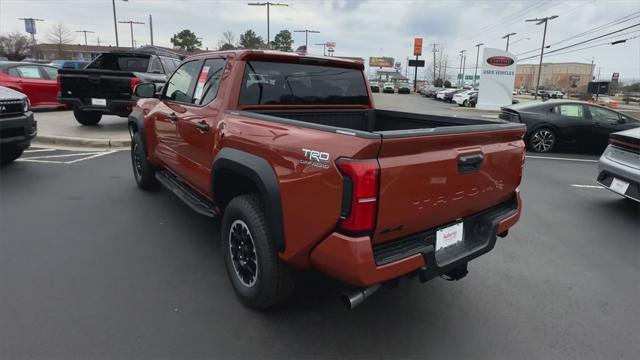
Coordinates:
[91,267]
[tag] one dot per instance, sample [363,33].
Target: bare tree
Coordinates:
[227,42]
[15,46]
[59,34]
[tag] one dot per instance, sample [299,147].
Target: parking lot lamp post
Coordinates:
[544,21]
[85,35]
[115,21]
[268,5]
[507,37]
[306,36]
[462,64]
[475,73]
[131,22]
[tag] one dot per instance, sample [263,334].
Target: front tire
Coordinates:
[8,154]
[143,171]
[542,140]
[258,275]
[87,118]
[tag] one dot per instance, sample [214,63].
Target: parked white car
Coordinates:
[388,88]
[462,98]
[440,94]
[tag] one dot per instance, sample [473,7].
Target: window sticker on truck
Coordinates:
[316,158]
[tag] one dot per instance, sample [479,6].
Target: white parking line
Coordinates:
[53,159]
[561,158]
[587,186]
[38,150]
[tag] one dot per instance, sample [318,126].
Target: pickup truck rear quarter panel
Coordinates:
[421,186]
[311,196]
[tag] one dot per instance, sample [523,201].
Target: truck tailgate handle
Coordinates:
[469,163]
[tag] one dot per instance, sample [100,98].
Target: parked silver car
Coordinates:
[619,165]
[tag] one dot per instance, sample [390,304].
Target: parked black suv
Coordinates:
[106,85]
[17,126]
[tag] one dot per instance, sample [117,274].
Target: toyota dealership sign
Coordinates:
[498,76]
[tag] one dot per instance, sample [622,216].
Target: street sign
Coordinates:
[30,26]
[598,87]
[330,44]
[416,63]
[417,47]
[381,61]
[615,76]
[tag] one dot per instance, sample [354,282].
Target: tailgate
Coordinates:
[433,180]
[104,84]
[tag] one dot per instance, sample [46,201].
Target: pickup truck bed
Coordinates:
[295,157]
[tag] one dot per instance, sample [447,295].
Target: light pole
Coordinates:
[131,22]
[475,73]
[268,5]
[306,36]
[85,35]
[115,22]
[507,37]
[544,21]
[434,63]
[461,72]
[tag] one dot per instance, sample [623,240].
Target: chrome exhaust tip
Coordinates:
[352,298]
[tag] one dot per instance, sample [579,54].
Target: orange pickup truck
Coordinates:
[305,172]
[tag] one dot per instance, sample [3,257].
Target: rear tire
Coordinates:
[143,171]
[258,275]
[8,154]
[87,118]
[542,140]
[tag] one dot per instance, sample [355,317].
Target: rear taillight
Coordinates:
[360,197]
[134,81]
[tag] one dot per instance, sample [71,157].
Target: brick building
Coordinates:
[567,77]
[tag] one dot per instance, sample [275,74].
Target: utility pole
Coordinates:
[461,80]
[324,48]
[464,65]
[507,37]
[131,22]
[268,4]
[544,21]
[151,28]
[85,35]
[475,73]
[433,46]
[115,22]
[306,36]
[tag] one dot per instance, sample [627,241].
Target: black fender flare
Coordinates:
[135,124]
[260,172]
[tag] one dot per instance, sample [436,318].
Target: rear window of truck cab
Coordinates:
[274,83]
[121,62]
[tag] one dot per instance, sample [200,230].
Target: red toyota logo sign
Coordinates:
[500,61]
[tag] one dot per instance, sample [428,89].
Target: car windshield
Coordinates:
[272,83]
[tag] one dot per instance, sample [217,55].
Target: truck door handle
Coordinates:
[172,117]
[469,163]
[202,126]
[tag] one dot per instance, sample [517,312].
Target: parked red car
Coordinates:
[37,81]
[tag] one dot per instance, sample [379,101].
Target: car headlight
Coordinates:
[26,105]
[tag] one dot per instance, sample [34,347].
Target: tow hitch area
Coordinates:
[456,274]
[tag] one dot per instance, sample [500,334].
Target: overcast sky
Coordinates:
[363,28]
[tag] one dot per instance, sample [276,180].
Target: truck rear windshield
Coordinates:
[273,83]
[121,62]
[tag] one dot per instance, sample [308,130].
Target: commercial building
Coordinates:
[567,77]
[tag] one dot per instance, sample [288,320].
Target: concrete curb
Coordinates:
[81,142]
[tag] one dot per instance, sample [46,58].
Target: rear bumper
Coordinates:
[18,130]
[354,261]
[608,169]
[114,107]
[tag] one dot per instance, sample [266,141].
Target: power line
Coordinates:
[587,47]
[585,41]
[601,27]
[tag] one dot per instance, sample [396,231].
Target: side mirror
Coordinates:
[145,90]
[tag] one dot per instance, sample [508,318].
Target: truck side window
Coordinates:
[169,65]
[179,85]
[156,67]
[208,81]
